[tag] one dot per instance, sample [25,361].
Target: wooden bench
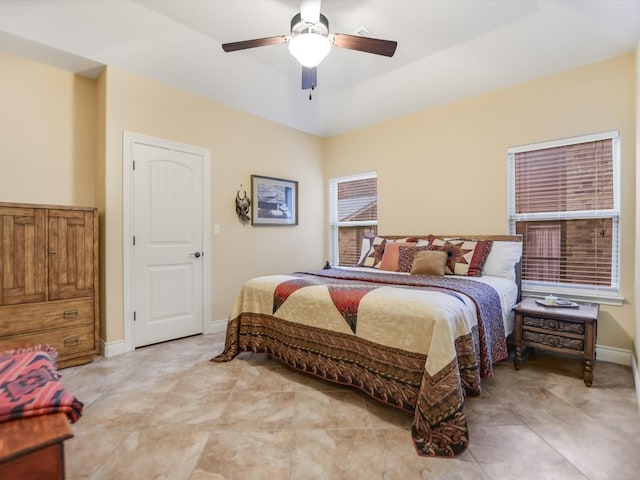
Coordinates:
[31,448]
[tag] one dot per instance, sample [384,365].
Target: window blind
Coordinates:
[353,213]
[565,204]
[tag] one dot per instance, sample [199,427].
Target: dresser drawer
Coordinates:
[37,317]
[67,341]
[553,325]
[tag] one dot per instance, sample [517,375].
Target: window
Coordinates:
[353,213]
[564,201]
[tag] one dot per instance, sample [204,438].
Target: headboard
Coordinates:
[499,238]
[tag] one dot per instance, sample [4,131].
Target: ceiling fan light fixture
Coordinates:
[309,48]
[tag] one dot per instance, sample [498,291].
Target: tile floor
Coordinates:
[166,412]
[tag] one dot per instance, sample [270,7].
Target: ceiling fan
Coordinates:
[310,42]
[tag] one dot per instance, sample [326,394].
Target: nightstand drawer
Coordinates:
[553,325]
[555,341]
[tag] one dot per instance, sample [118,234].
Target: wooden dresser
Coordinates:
[49,279]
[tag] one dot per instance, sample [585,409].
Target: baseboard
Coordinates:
[216,326]
[614,355]
[636,378]
[111,349]
[606,354]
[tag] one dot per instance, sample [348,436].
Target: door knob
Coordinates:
[196,254]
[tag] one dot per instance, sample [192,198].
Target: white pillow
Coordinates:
[364,249]
[502,260]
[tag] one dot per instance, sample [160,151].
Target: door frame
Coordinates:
[128,272]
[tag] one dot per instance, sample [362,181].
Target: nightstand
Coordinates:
[558,329]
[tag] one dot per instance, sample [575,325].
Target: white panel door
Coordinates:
[168,266]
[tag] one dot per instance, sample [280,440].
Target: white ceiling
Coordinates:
[447,49]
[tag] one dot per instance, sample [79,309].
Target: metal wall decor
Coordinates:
[243,205]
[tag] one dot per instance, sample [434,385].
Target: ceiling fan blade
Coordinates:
[258,42]
[365,44]
[310,11]
[309,78]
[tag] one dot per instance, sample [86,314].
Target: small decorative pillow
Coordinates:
[405,258]
[391,255]
[465,257]
[429,262]
[374,256]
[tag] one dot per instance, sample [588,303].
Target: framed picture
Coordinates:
[275,201]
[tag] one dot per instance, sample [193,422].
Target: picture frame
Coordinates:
[275,201]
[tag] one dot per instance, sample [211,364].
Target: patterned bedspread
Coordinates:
[418,343]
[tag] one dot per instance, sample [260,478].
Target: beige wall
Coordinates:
[444,169]
[47,134]
[240,145]
[61,143]
[441,170]
[100,194]
[636,349]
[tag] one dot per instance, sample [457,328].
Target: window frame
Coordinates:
[334,223]
[596,293]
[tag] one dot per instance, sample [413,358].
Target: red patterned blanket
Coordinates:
[417,343]
[29,386]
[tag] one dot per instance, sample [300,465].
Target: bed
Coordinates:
[417,325]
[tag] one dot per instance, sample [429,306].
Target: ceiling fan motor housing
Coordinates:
[299,26]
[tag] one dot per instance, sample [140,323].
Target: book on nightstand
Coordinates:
[558,303]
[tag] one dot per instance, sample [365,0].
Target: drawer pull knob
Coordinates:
[70,313]
[71,341]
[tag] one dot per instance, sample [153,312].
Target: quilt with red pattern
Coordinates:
[418,343]
[29,386]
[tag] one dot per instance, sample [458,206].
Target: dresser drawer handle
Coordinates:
[70,313]
[71,341]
